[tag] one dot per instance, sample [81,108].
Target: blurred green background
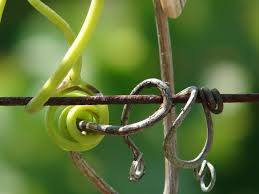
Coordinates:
[215,43]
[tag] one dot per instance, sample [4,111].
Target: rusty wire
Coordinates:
[137,168]
[124,99]
[211,102]
[127,129]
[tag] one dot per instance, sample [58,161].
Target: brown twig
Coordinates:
[82,165]
[166,66]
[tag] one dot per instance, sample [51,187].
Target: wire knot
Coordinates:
[212,99]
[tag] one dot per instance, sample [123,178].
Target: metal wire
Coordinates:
[138,167]
[124,99]
[200,174]
[128,129]
[211,102]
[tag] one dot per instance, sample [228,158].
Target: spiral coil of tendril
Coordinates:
[65,132]
[66,81]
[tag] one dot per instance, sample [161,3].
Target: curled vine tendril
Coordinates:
[66,81]
[73,53]
[65,131]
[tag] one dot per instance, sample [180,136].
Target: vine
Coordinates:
[72,55]
[66,81]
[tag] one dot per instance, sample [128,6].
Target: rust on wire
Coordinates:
[124,99]
[128,129]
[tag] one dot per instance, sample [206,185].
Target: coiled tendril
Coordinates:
[66,81]
[65,132]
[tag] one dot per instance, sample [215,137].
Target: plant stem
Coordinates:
[2,5]
[64,27]
[166,66]
[72,55]
[87,171]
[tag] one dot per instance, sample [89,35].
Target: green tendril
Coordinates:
[65,132]
[64,27]
[2,5]
[62,122]
[72,55]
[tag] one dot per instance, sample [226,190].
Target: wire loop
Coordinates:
[138,167]
[127,129]
[211,102]
[171,150]
[200,174]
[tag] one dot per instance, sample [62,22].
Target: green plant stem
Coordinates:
[2,5]
[72,55]
[64,27]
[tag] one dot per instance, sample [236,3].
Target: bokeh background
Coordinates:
[215,43]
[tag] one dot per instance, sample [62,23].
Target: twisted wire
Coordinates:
[212,99]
